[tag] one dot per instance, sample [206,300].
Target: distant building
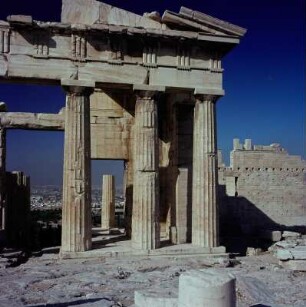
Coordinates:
[264,187]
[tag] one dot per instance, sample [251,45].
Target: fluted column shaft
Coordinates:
[2,176]
[108,202]
[76,213]
[204,185]
[145,219]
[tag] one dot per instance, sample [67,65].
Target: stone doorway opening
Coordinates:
[35,164]
[107,201]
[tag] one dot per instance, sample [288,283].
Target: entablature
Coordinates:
[186,57]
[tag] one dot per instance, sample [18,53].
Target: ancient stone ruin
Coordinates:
[142,89]
[264,188]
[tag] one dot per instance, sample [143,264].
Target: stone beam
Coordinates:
[50,71]
[48,52]
[32,121]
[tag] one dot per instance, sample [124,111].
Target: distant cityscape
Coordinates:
[50,198]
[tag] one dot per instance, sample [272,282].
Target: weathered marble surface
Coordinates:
[93,12]
[269,185]
[104,44]
[35,121]
[205,175]
[115,52]
[76,212]
[2,177]
[108,202]
[145,218]
[207,287]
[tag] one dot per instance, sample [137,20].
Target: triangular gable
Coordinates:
[94,12]
[196,21]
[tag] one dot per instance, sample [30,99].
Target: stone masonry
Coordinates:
[142,89]
[265,188]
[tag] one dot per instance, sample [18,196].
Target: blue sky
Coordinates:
[264,81]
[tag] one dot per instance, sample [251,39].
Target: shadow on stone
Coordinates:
[241,224]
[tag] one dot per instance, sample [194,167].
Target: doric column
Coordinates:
[2,176]
[108,202]
[204,174]
[76,212]
[145,219]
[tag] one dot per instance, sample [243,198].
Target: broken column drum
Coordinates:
[108,202]
[207,287]
[145,219]
[204,187]
[76,225]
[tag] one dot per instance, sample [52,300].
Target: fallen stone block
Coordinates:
[286,244]
[256,291]
[291,234]
[295,265]
[251,251]
[156,298]
[299,252]
[283,254]
[296,253]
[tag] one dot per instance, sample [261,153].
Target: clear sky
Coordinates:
[264,81]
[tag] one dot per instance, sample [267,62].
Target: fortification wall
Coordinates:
[264,188]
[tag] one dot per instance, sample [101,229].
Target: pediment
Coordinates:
[190,20]
[91,12]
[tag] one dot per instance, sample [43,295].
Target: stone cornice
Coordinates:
[213,22]
[123,30]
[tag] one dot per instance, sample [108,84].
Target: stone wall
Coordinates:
[17,213]
[265,187]
[112,116]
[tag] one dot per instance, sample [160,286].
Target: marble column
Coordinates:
[145,219]
[2,176]
[204,173]
[76,212]
[108,202]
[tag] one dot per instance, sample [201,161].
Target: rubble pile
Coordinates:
[291,251]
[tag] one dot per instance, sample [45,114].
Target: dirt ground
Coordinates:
[45,280]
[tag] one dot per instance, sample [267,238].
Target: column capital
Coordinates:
[146,91]
[203,94]
[206,97]
[78,87]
